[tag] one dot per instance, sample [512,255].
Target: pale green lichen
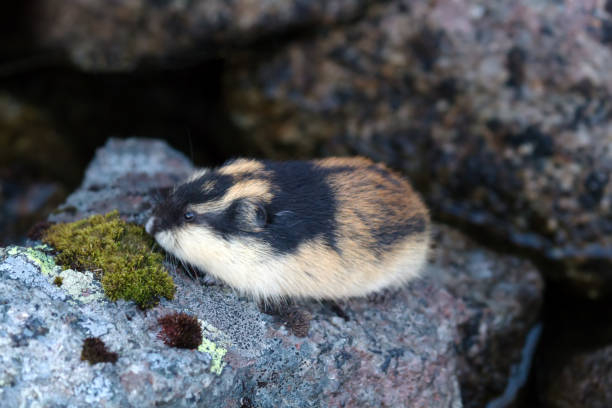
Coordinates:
[37,256]
[211,331]
[81,286]
[216,352]
[118,253]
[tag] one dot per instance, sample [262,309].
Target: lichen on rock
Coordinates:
[36,255]
[118,253]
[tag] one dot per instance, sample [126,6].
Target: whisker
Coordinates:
[188,271]
[186,267]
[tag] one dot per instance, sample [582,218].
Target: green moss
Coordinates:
[118,253]
[58,281]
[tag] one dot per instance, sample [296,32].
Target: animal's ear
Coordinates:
[252,216]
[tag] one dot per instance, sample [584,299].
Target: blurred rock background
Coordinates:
[499,112]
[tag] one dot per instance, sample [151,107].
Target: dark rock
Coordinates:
[467,318]
[101,35]
[594,186]
[532,138]
[31,148]
[584,380]
[29,137]
[606,32]
[512,161]
[515,63]
[426,47]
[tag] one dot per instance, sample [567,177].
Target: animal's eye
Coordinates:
[260,215]
[189,216]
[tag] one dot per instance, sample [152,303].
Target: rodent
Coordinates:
[323,229]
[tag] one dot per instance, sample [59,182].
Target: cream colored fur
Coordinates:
[314,271]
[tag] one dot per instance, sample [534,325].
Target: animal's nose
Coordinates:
[150,226]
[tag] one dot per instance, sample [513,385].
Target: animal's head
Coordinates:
[212,206]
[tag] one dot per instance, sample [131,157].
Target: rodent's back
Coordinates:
[375,205]
[384,224]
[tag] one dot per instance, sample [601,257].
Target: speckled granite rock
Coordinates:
[399,353]
[500,294]
[102,35]
[583,381]
[467,319]
[499,111]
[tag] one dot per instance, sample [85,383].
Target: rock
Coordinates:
[582,381]
[366,360]
[128,176]
[30,139]
[100,35]
[500,294]
[423,345]
[14,38]
[30,178]
[499,112]
[574,359]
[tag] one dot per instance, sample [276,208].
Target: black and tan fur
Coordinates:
[324,229]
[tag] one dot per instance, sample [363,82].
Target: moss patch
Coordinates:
[118,253]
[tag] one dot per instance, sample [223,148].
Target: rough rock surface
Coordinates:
[467,319]
[118,35]
[499,111]
[583,381]
[500,294]
[399,353]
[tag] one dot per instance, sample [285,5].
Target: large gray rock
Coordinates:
[499,111]
[118,35]
[457,331]
[396,353]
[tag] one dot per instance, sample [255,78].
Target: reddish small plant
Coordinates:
[180,330]
[37,231]
[94,350]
